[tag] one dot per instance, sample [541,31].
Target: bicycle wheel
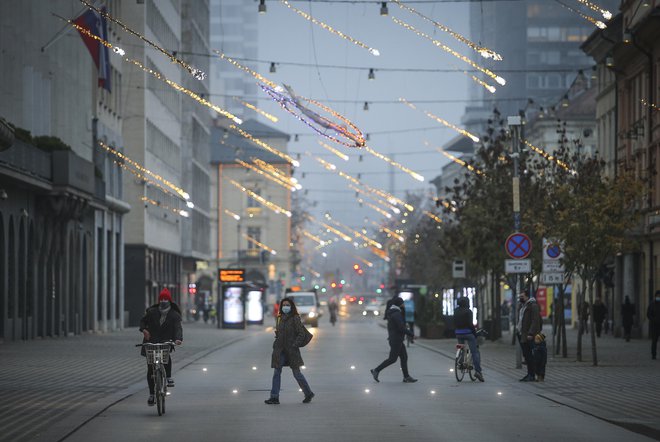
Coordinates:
[459,370]
[160,400]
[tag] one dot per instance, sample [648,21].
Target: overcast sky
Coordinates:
[284,36]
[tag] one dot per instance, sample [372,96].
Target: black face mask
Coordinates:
[164,305]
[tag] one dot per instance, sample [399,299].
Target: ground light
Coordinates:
[352,367]
[204,369]
[366,390]
[235,391]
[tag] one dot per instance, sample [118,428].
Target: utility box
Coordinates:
[458,269]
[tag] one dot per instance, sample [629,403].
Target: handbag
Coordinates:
[307,337]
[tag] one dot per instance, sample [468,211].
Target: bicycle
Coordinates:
[157,356]
[463,361]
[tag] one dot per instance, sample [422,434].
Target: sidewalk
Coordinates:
[623,389]
[50,387]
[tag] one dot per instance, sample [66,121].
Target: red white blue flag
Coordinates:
[97,25]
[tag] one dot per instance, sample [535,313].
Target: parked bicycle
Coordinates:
[158,355]
[463,361]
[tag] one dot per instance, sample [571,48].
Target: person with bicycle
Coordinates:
[466,332]
[396,331]
[160,323]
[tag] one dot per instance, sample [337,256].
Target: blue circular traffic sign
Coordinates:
[553,251]
[518,245]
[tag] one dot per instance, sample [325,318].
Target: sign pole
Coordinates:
[515,124]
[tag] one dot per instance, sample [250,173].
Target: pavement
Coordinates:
[624,388]
[92,387]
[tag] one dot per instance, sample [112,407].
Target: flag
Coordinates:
[97,25]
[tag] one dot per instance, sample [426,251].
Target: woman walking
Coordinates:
[289,337]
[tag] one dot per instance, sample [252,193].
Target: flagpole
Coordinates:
[62,32]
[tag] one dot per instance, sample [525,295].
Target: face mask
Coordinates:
[164,304]
[657,299]
[521,299]
[286,309]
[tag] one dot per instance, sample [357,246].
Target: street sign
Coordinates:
[518,245]
[552,278]
[458,269]
[231,275]
[517,265]
[552,256]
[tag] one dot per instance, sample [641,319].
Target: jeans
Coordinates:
[297,374]
[150,381]
[474,350]
[527,351]
[397,351]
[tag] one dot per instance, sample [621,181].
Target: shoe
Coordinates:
[151,401]
[479,376]
[308,399]
[273,401]
[540,378]
[374,373]
[170,383]
[409,380]
[527,378]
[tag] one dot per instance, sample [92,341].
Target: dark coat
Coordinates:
[627,313]
[600,310]
[653,314]
[463,319]
[170,330]
[531,322]
[396,326]
[289,335]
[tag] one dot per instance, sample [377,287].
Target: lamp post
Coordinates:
[515,125]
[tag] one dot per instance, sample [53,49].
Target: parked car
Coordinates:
[308,306]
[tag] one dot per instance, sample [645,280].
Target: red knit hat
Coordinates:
[165,295]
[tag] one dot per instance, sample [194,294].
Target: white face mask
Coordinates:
[286,309]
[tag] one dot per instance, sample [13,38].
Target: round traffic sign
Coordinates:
[553,251]
[518,245]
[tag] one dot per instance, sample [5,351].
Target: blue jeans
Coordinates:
[474,350]
[297,374]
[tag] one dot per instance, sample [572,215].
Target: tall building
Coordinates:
[61,209]
[234,32]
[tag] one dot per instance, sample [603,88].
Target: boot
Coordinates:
[540,378]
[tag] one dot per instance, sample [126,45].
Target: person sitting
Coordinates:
[466,332]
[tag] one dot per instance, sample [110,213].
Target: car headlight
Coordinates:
[311,314]
[376,312]
[364,313]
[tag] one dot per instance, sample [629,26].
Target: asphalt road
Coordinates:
[220,397]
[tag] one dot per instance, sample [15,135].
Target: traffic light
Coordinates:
[356,267]
[333,285]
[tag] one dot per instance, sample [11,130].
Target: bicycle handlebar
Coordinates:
[166,343]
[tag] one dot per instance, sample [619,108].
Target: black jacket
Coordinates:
[170,330]
[463,319]
[289,335]
[653,314]
[396,326]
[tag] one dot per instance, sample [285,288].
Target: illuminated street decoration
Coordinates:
[371,196]
[330,29]
[345,132]
[236,216]
[483,51]
[389,232]
[263,201]
[197,73]
[252,72]
[655,107]
[337,152]
[357,234]
[180,212]
[376,208]
[490,88]
[380,253]
[313,237]
[456,160]
[337,232]
[391,162]
[276,173]
[263,113]
[599,24]
[449,50]
[549,157]
[266,175]
[607,15]
[433,216]
[155,74]
[264,145]
[259,244]
[442,121]
[364,261]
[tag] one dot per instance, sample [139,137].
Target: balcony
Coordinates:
[253,256]
[27,159]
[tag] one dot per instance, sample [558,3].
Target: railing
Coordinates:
[28,159]
[253,255]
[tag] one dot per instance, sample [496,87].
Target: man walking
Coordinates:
[529,324]
[653,313]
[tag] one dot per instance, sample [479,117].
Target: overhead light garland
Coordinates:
[180,212]
[330,29]
[265,145]
[276,173]
[391,162]
[266,175]
[263,201]
[599,24]
[328,227]
[252,72]
[433,216]
[337,152]
[236,216]
[549,157]
[259,244]
[457,160]
[254,108]
[607,15]
[390,232]
[442,121]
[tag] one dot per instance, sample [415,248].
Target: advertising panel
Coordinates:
[233,307]
[255,307]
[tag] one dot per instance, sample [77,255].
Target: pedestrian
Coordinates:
[161,323]
[333,308]
[627,313]
[529,324]
[600,312]
[289,337]
[466,332]
[409,314]
[540,352]
[396,331]
[583,316]
[653,314]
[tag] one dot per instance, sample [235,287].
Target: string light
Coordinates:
[265,114]
[252,72]
[157,75]
[490,88]
[266,146]
[144,178]
[456,160]
[259,244]
[549,157]
[386,214]
[339,233]
[607,15]
[433,217]
[380,253]
[442,121]
[197,73]
[599,24]
[277,173]
[236,216]
[357,234]
[449,50]
[446,205]
[313,237]
[340,154]
[651,105]
[330,29]
[153,202]
[483,51]
[389,232]
[392,207]
[364,261]
[272,206]
[315,121]
[266,175]
[391,162]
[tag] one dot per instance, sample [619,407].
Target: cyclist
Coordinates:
[465,331]
[160,323]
